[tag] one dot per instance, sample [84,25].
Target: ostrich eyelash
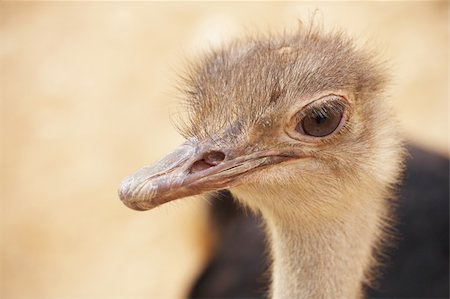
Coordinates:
[323,108]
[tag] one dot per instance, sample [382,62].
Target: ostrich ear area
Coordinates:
[191,169]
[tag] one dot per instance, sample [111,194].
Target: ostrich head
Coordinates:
[297,128]
[299,116]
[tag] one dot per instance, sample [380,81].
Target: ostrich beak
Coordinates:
[193,169]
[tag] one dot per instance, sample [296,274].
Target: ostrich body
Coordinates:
[297,128]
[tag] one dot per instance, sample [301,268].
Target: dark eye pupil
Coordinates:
[320,119]
[320,125]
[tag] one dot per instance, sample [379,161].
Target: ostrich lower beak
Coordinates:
[191,170]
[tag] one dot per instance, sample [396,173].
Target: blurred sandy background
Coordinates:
[86,98]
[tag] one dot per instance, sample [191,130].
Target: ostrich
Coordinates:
[296,127]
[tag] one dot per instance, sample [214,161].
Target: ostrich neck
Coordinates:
[325,256]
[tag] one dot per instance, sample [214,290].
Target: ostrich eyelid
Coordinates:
[316,103]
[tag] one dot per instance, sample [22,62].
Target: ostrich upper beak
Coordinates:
[191,169]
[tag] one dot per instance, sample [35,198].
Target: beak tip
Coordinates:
[135,206]
[126,196]
[124,190]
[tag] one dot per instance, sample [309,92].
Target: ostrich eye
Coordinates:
[321,121]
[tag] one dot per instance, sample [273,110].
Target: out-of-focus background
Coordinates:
[87,93]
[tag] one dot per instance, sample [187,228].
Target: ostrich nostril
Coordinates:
[214,157]
[208,160]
